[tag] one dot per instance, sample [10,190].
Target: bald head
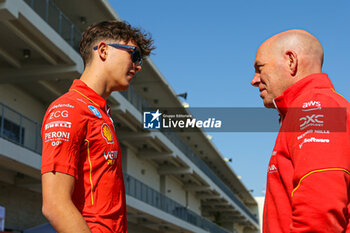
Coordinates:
[306,47]
[284,59]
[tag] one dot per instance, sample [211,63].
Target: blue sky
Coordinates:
[207,48]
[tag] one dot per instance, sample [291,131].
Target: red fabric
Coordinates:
[79,140]
[308,176]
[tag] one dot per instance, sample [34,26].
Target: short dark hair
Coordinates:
[113,30]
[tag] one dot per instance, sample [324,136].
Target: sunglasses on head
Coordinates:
[135,52]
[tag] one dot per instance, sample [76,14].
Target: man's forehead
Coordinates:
[129,42]
[265,50]
[259,56]
[263,47]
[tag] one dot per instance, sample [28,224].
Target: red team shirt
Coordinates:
[79,140]
[308,180]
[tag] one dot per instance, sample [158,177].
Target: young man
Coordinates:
[82,179]
[308,180]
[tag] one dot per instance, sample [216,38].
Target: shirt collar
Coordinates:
[313,81]
[83,89]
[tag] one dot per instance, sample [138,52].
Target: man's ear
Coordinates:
[102,50]
[292,62]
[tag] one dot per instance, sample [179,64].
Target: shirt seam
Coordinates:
[317,171]
[90,174]
[86,97]
[62,168]
[337,93]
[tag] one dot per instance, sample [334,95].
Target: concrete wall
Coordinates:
[194,203]
[175,191]
[254,209]
[147,173]
[239,228]
[250,231]
[142,170]
[21,102]
[27,106]
[260,201]
[23,207]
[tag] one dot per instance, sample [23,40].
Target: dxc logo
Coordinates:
[311,119]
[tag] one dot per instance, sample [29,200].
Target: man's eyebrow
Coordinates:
[257,64]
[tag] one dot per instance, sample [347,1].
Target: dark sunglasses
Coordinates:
[135,52]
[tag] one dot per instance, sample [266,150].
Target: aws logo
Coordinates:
[107,133]
[311,105]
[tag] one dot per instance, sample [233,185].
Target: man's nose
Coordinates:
[256,80]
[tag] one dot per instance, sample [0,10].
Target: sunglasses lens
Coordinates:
[136,57]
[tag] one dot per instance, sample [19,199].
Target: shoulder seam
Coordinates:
[337,93]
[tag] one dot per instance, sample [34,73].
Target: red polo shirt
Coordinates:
[79,140]
[308,180]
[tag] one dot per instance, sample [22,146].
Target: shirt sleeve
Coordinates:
[321,159]
[63,133]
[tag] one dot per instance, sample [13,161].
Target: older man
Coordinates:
[309,171]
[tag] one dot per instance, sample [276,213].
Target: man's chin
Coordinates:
[269,104]
[123,87]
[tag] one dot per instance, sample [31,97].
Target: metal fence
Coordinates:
[19,129]
[49,12]
[142,192]
[137,100]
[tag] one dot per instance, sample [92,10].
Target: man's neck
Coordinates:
[96,81]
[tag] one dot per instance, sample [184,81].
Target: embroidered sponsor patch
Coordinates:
[58,114]
[81,100]
[63,124]
[95,111]
[311,106]
[107,133]
[57,136]
[272,168]
[110,156]
[311,120]
[314,140]
[272,164]
[61,106]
